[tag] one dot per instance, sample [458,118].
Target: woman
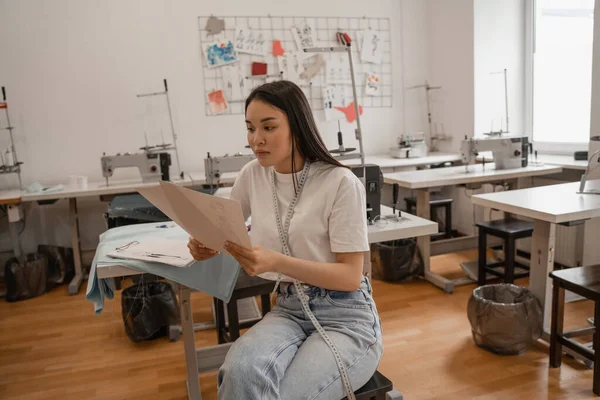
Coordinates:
[309,225]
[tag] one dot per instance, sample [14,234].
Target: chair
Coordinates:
[584,281]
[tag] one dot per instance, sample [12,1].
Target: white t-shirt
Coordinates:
[329,216]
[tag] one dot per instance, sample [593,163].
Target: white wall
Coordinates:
[499,34]
[450,26]
[73,68]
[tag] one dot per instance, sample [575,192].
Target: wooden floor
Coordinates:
[54,347]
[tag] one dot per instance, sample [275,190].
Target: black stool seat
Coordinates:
[411,204]
[507,227]
[584,281]
[508,230]
[376,389]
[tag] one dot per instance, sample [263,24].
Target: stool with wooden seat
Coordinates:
[584,281]
[446,204]
[377,388]
[509,230]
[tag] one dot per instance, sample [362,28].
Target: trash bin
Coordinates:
[25,276]
[148,308]
[505,319]
[396,260]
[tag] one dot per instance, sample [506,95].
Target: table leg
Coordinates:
[424,244]
[542,263]
[74,222]
[189,344]
[14,238]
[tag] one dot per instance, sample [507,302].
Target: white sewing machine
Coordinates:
[214,167]
[152,166]
[509,152]
[410,146]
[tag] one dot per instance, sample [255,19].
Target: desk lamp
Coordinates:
[587,169]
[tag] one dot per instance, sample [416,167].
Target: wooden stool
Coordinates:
[509,230]
[246,286]
[378,388]
[411,205]
[584,281]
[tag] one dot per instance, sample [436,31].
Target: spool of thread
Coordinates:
[8,158]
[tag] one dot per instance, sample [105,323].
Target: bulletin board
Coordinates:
[269,28]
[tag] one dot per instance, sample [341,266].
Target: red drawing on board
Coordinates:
[350,111]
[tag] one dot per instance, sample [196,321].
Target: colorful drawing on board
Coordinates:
[250,41]
[219,54]
[350,111]
[259,68]
[372,84]
[278,48]
[217,102]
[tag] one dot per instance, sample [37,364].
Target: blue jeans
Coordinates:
[284,356]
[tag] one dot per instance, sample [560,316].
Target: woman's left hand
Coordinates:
[256,260]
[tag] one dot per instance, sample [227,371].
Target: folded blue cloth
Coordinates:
[216,276]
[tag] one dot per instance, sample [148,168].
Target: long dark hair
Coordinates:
[290,99]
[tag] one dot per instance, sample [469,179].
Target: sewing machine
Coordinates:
[152,166]
[370,175]
[214,167]
[509,152]
[410,146]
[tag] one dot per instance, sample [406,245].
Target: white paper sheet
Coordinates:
[171,252]
[209,219]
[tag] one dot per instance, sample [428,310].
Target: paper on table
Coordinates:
[209,219]
[171,252]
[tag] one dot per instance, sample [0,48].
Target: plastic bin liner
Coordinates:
[25,276]
[148,309]
[396,260]
[505,319]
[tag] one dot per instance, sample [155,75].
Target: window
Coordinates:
[562,72]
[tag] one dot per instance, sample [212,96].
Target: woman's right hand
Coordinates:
[199,251]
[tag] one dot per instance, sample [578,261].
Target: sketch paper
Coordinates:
[234,82]
[166,251]
[372,47]
[250,41]
[304,36]
[337,70]
[210,219]
[290,65]
[372,84]
[350,111]
[218,54]
[333,97]
[217,102]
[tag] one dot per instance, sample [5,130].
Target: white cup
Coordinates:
[73,180]
[82,182]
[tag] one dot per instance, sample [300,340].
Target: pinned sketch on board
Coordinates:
[372,84]
[333,97]
[371,49]
[219,54]
[250,41]
[217,102]
[337,70]
[290,65]
[304,35]
[214,25]
[259,68]
[234,82]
